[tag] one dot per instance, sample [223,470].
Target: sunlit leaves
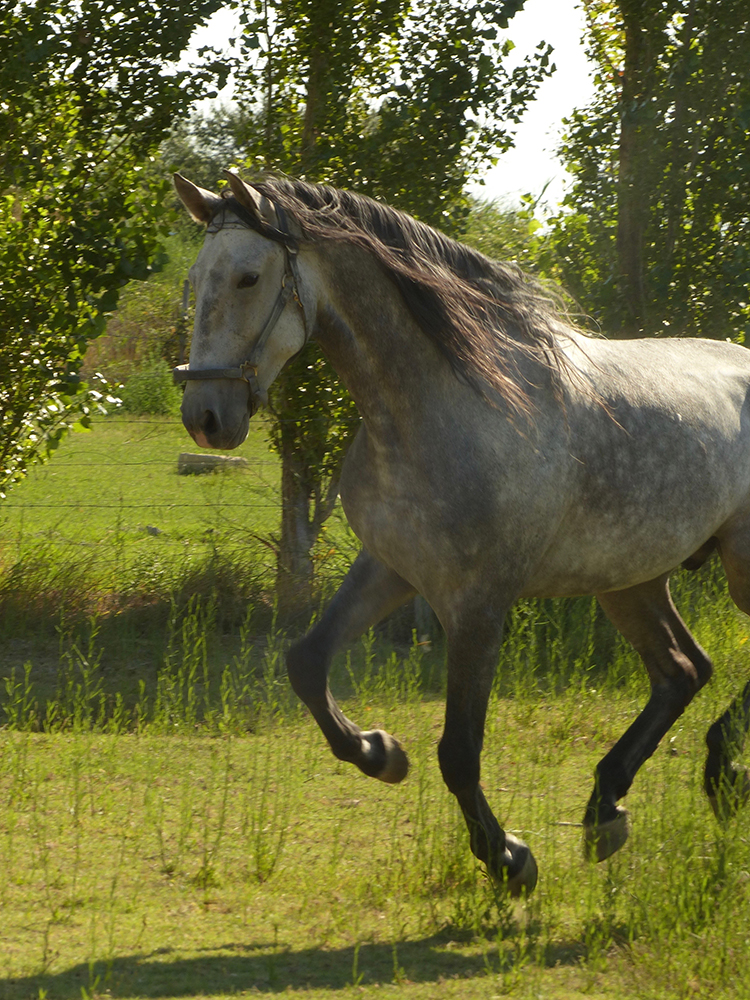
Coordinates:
[87,94]
[403,102]
[670,121]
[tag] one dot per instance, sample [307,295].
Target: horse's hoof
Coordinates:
[600,842]
[396,765]
[732,794]
[522,882]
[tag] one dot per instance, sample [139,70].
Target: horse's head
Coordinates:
[249,319]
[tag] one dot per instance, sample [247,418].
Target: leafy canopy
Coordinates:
[401,101]
[87,92]
[656,232]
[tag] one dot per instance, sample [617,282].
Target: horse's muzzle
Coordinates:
[217,414]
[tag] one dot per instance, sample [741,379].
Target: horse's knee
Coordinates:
[695,672]
[459,764]
[306,664]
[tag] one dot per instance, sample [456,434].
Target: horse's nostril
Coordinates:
[209,424]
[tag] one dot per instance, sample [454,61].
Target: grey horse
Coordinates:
[502,454]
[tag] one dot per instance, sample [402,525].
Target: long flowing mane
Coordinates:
[482,314]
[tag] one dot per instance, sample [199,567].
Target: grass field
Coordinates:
[152,865]
[111,500]
[107,536]
[112,504]
[172,824]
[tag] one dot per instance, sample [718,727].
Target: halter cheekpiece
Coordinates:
[248,370]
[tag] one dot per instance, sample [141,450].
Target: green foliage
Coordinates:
[150,390]
[655,233]
[87,95]
[314,421]
[400,104]
[201,146]
[502,233]
[152,318]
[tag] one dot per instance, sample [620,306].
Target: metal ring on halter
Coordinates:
[248,370]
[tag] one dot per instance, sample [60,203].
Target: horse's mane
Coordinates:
[482,314]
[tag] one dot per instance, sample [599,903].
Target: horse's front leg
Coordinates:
[473,650]
[369,592]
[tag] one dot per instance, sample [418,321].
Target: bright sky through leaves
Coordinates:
[532,163]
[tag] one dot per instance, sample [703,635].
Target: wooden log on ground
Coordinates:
[189,464]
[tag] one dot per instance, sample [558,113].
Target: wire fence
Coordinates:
[118,489]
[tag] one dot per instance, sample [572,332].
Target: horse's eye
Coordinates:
[247,281]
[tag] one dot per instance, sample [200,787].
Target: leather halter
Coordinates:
[248,370]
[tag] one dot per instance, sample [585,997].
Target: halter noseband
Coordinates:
[248,370]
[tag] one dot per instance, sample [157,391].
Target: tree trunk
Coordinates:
[304,511]
[310,478]
[294,575]
[632,189]
[683,151]
[315,99]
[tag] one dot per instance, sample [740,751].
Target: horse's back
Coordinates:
[660,440]
[683,375]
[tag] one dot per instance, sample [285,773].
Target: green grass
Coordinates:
[152,865]
[206,842]
[108,530]
[96,500]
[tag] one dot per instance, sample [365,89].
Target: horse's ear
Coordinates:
[200,203]
[251,199]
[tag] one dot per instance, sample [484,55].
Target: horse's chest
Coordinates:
[430,521]
[392,513]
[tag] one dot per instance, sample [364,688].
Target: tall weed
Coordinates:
[183,692]
[149,388]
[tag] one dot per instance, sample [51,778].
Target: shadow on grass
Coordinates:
[267,968]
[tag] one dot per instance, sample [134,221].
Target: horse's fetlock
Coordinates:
[346,752]
[611,783]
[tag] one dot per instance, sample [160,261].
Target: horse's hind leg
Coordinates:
[369,592]
[727,784]
[677,668]
[473,648]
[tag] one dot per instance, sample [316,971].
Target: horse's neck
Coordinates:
[390,367]
[404,387]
